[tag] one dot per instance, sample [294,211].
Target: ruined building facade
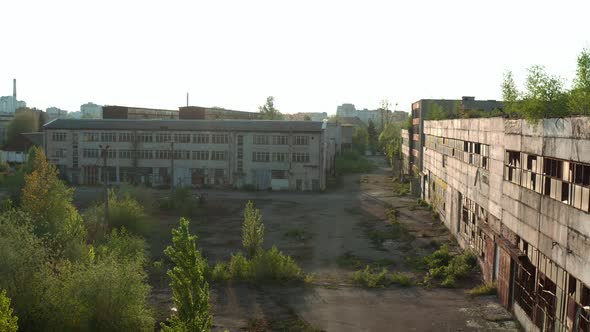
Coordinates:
[518,195]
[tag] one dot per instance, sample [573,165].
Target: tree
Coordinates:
[579,100]
[544,96]
[436,113]
[49,203]
[189,287]
[252,230]
[268,110]
[372,136]
[307,118]
[360,140]
[8,322]
[23,122]
[510,95]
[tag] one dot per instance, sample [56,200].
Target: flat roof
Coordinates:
[185,125]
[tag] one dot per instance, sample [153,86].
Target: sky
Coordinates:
[310,55]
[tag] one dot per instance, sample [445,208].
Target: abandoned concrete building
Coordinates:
[183,113]
[518,195]
[290,155]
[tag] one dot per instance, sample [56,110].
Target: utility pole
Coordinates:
[105,174]
[171,167]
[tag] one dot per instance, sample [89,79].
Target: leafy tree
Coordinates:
[544,96]
[49,203]
[436,113]
[307,118]
[252,230]
[372,136]
[510,95]
[189,287]
[268,110]
[16,181]
[8,322]
[360,140]
[22,267]
[390,139]
[23,122]
[579,101]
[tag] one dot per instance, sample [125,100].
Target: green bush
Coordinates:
[401,279]
[4,167]
[125,211]
[124,246]
[143,195]
[266,266]
[447,268]
[372,279]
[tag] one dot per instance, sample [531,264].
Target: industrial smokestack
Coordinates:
[14,88]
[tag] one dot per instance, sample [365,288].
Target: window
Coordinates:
[144,154]
[125,137]
[261,156]
[279,156]
[182,155]
[218,155]
[240,166]
[90,153]
[59,153]
[200,155]
[163,154]
[90,137]
[182,138]
[300,157]
[163,137]
[220,139]
[240,152]
[201,138]
[240,140]
[301,140]
[125,154]
[261,140]
[58,137]
[111,153]
[145,137]
[278,174]
[280,140]
[108,137]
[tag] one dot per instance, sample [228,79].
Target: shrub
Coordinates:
[401,279]
[267,266]
[125,211]
[352,162]
[488,288]
[447,268]
[4,167]
[372,279]
[252,230]
[124,246]
[139,193]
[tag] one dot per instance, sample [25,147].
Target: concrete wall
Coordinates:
[557,234]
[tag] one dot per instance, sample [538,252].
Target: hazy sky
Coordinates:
[310,55]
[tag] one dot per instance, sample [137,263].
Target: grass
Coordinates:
[488,288]
[394,231]
[352,162]
[349,261]
[379,278]
[401,189]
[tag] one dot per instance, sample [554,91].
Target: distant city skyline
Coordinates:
[311,56]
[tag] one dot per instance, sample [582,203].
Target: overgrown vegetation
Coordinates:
[260,265]
[183,202]
[57,277]
[447,268]
[373,278]
[353,162]
[487,288]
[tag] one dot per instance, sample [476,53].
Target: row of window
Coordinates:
[265,157]
[565,181]
[156,154]
[473,153]
[280,140]
[148,137]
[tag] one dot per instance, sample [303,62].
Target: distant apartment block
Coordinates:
[518,195]
[9,104]
[53,113]
[378,117]
[91,111]
[289,155]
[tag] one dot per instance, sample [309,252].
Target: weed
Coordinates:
[395,230]
[422,202]
[488,288]
[447,268]
[401,279]
[371,279]
[412,207]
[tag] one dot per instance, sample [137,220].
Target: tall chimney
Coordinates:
[14,88]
